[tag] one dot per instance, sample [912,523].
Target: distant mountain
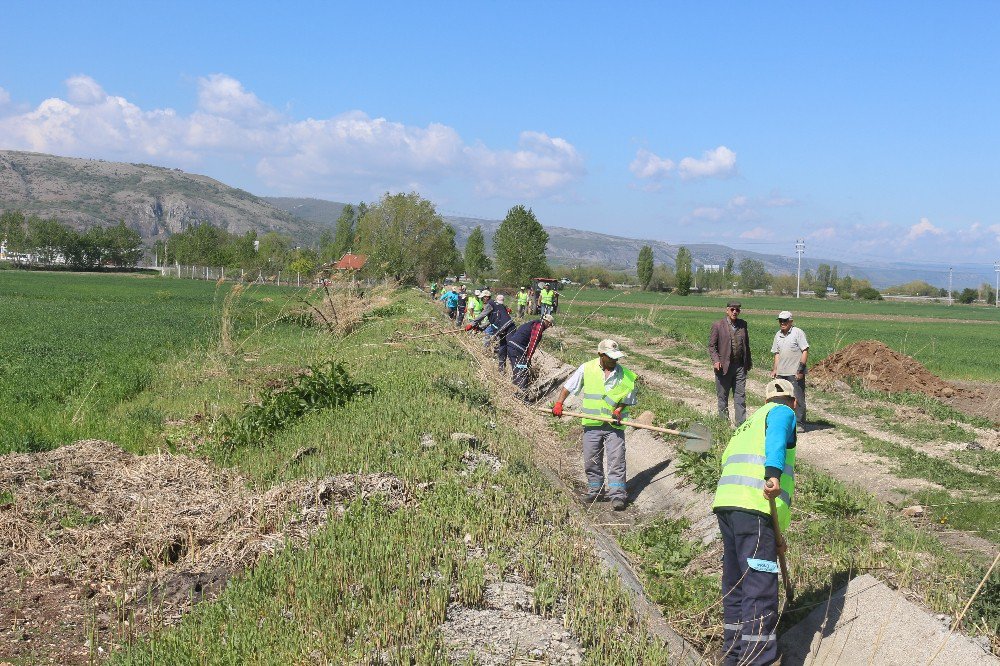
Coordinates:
[157,202]
[154,201]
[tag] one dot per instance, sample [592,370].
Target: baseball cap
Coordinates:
[610,349]
[784,314]
[548,318]
[485,292]
[477,292]
[499,298]
[777,388]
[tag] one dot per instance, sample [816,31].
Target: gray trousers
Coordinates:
[736,381]
[598,441]
[800,396]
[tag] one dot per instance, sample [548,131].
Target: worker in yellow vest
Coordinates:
[758,465]
[522,301]
[545,299]
[608,390]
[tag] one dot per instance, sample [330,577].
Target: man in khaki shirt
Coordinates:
[791,350]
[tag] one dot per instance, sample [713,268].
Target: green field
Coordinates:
[949,349]
[774,304]
[77,347]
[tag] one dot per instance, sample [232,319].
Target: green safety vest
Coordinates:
[546,296]
[742,483]
[474,305]
[522,298]
[596,400]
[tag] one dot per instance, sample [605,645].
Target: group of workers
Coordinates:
[756,485]
[481,312]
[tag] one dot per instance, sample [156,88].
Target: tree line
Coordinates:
[50,242]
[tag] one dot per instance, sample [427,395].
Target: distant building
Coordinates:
[351,262]
[712,268]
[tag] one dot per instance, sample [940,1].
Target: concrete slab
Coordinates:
[866,622]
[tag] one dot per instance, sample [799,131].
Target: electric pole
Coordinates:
[996,294]
[800,247]
[949,286]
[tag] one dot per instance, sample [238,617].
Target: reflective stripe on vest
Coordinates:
[546,296]
[742,480]
[597,401]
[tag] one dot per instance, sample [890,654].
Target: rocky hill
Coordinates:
[153,200]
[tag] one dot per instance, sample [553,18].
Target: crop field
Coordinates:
[76,347]
[950,350]
[832,304]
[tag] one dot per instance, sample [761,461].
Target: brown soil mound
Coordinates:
[95,541]
[881,368]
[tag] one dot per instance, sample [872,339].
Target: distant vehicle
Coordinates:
[535,294]
[565,281]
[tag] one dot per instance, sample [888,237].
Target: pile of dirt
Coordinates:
[881,368]
[97,541]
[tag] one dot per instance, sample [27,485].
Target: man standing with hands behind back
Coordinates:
[791,350]
[729,347]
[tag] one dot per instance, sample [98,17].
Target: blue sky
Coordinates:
[870,129]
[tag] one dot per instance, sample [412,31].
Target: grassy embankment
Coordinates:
[838,531]
[371,585]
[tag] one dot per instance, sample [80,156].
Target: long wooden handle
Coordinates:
[634,424]
[781,556]
[431,335]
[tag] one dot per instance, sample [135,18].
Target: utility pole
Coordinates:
[996,294]
[949,286]
[800,247]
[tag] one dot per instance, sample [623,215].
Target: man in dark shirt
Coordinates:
[729,347]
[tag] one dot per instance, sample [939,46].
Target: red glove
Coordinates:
[616,416]
[468,327]
[557,409]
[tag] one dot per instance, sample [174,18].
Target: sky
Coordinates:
[870,130]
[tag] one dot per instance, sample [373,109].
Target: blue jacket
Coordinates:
[450,299]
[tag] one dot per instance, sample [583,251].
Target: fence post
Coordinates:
[223,269]
[279,278]
[298,279]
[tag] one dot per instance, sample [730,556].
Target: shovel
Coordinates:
[698,436]
[789,592]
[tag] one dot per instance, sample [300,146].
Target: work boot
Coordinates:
[590,498]
[618,505]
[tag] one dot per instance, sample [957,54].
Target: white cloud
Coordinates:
[342,153]
[718,163]
[922,228]
[757,233]
[84,90]
[710,213]
[4,97]
[823,234]
[651,166]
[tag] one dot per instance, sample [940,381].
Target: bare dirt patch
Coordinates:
[97,544]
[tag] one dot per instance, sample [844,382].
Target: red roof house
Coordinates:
[351,262]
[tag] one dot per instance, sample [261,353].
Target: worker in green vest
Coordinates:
[545,298]
[474,305]
[608,390]
[758,465]
[522,301]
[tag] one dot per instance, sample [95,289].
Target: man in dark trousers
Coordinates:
[757,466]
[729,347]
[521,346]
[496,313]
[463,301]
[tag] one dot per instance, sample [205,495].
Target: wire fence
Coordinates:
[256,276]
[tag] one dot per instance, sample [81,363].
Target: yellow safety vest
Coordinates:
[522,298]
[546,296]
[597,401]
[742,483]
[475,306]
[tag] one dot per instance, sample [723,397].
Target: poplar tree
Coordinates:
[682,267]
[644,267]
[476,261]
[519,244]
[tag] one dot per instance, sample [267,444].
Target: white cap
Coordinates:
[547,318]
[485,292]
[777,388]
[784,314]
[477,292]
[499,298]
[610,349]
